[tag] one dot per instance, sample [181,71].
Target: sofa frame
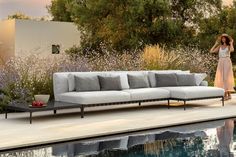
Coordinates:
[55,105]
[193,99]
[62,78]
[82,106]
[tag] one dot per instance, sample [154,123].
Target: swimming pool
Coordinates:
[209,139]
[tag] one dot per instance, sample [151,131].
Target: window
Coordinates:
[55,49]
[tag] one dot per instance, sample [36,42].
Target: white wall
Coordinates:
[7,38]
[37,37]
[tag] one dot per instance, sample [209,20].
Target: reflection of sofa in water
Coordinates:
[89,148]
[140,139]
[92,148]
[63,150]
[123,143]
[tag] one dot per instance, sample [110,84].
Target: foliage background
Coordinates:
[125,35]
[129,25]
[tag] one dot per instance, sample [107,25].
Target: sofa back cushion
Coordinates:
[138,81]
[166,80]
[110,83]
[71,82]
[86,83]
[199,77]
[186,79]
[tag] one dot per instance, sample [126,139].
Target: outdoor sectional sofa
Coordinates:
[88,89]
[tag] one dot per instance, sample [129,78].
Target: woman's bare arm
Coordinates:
[215,48]
[231,46]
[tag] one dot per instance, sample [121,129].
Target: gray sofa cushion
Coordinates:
[71,82]
[152,77]
[193,92]
[166,80]
[83,84]
[204,83]
[186,79]
[138,81]
[94,97]
[147,93]
[110,83]
[199,78]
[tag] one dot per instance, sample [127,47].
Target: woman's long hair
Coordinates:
[227,40]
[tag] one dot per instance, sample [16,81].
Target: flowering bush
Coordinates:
[184,58]
[23,77]
[118,62]
[156,57]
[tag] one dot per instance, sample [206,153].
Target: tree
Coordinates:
[59,9]
[191,11]
[18,15]
[223,22]
[125,25]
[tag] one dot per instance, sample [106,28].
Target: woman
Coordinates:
[224,74]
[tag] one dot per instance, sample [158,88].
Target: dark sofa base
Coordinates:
[140,101]
[185,100]
[118,103]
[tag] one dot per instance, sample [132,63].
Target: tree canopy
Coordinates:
[131,24]
[223,22]
[59,9]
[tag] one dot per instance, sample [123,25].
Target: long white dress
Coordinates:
[224,77]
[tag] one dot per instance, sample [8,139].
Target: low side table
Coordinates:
[51,106]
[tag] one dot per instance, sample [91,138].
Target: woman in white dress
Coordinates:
[224,77]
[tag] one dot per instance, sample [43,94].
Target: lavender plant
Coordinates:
[23,77]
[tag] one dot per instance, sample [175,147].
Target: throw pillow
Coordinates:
[138,81]
[83,84]
[186,79]
[152,77]
[166,80]
[200,77]
[110,83]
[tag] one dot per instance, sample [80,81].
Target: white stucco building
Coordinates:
[25,37]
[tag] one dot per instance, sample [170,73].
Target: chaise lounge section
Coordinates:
[123,87]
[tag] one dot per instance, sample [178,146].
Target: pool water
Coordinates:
[211,139]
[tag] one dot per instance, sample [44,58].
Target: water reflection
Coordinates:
[213,139]
[225,138]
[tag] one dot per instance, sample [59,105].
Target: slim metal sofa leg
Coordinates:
[168,101]
[30,117]
[184,104]
[82,111]
[139,103]
[5,113]
[223,101]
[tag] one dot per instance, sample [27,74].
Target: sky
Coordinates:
[34,8]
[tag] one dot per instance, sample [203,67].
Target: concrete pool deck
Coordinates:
[99,121]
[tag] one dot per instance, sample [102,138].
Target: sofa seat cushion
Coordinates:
[94,97]
[147,93]
[193,92]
